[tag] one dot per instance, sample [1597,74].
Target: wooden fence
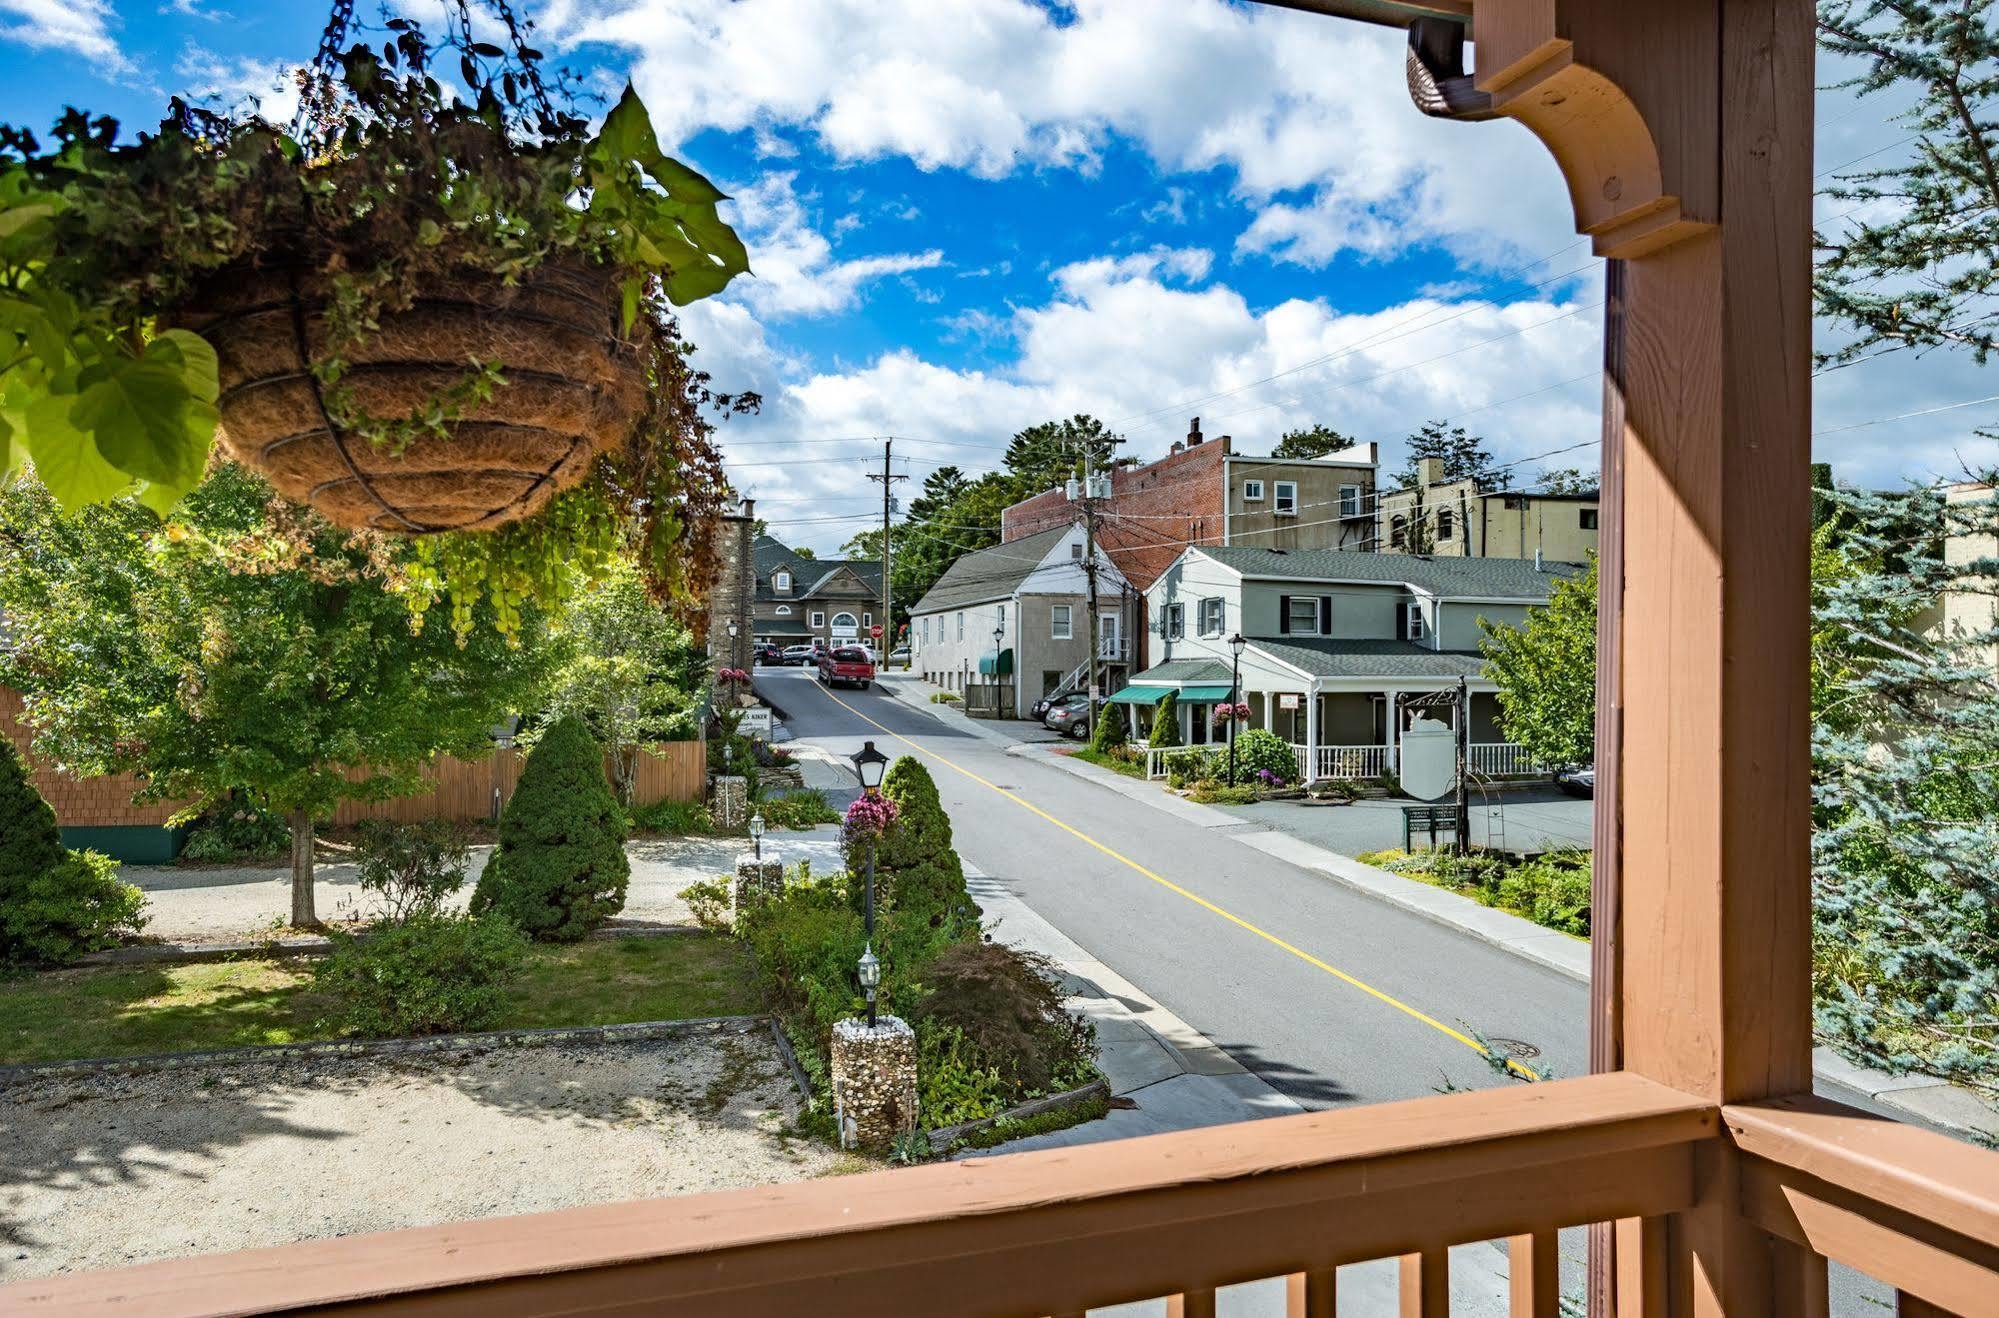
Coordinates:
[477,789]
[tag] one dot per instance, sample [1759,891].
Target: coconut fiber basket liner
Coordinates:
[574,389]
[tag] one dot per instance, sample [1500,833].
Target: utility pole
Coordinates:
[1463,730]
[888,479]
[1092,490]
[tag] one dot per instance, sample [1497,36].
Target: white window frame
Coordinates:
[818,618]
[1174,624]
[999,621]
[852,621]
[1221,611]
[781,580]
[784,610]
[1447,524]
[1349,500]
[867,620]
[1076,549]
[1414,624]
[1292,619]
[961,624]
[1284,498]
[1109,636]
[1252,491]
[1061,622]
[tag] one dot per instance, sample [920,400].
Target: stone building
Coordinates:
[733,597]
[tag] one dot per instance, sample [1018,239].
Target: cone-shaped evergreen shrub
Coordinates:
[1110,729]
[915,864]
[1166,722]
[55,905]
[560,869]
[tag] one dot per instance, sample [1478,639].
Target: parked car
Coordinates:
[899,657]
[1069,716]
[800,655]
[768,656]
[1577,780]
[1039,709]
[847,664]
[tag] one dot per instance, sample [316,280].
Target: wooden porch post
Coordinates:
[1684,131]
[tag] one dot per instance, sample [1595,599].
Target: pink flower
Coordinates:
[870,816]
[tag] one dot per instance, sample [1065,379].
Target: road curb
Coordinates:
[1923,1099]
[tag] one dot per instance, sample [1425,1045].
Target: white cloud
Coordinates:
[266,87]
[80,26]
[1290,102]
[796,271]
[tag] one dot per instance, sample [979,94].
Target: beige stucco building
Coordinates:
[1456,519]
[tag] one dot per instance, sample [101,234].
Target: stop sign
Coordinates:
[875,631]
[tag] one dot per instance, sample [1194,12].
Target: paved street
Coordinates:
[1328,995]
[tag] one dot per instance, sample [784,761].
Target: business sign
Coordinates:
[1429,759]
[1289,700]
[755,722]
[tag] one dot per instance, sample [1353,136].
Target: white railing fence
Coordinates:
[1351,762]
[1501,759]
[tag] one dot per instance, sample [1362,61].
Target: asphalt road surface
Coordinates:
[1330,996]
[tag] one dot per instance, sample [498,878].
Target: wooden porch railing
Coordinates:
[1179,1216]
[1500,759]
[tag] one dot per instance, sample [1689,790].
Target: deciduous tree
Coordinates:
[242,644]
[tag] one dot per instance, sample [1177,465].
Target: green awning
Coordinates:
[1139,695]
[997,666]
[1204,695]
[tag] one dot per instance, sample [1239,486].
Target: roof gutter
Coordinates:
[1383,13]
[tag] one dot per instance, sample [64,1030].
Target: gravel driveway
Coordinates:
[222,904]
[122,1168]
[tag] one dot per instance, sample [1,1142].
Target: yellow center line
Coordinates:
[1196,898]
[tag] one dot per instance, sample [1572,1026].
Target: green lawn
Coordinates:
[198,1005]
[1089,755]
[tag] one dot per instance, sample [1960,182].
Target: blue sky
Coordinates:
[966,216]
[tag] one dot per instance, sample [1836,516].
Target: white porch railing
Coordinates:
[1346,762]
[1501,759]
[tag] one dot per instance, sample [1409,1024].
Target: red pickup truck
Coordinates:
[846,664]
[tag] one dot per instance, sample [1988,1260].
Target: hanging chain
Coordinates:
[314,80]
[530,73]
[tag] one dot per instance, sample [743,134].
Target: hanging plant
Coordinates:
[439,305]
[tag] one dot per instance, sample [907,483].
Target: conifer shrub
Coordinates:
[55,905]
[560,868]
[1166,722]
[916,867]
[1110,732]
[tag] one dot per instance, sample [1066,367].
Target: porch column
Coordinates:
[1311,730]
[1684,131]
[1391,730]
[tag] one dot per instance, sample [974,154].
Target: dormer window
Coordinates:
[781,581]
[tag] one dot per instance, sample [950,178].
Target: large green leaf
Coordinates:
[66,459]
[676,229]
[148,414]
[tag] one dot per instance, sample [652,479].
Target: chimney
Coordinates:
[1178,447]
[1225,442]
[1430,471]
[1537,558]
[1193,431]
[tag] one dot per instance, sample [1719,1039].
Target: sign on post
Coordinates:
[755,722]
[875,631]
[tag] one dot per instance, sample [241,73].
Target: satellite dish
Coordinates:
[1429,760]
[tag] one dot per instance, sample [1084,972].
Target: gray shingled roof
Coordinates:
[1331,657]
[989,574]
[1199,671]
[1503,578]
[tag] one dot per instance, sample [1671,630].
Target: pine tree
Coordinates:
[1166,722]
[560,869]
[1464,455]
[30,840]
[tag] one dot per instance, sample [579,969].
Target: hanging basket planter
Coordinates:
[570,387]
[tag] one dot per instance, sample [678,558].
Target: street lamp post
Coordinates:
[870,764]
[757,833]
[1236,644]
[998,632]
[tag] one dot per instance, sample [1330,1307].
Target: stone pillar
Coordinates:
[731,598]
[731,803]
[757,881]
[874,1082]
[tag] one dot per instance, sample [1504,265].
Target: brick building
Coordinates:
[1204,493]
